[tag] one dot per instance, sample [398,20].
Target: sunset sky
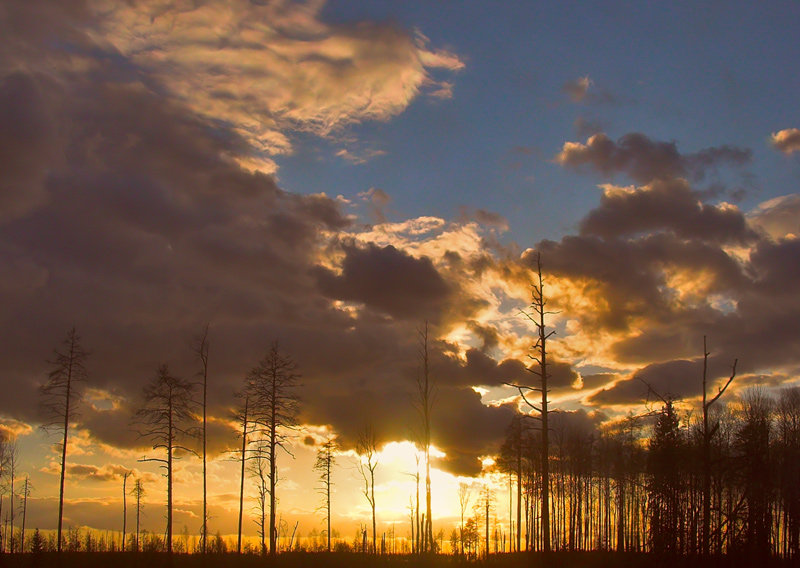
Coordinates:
[334,174]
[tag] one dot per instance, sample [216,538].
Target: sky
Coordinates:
[334,174]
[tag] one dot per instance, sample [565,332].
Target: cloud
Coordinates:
[587,127]
[357,157]
[10,428]
[582,90]
[645,160]
[670,205]
[108,472]
[577,88]
[386,279]
[268,67]
[673,379]
[778,217]
[787,141]
[491,219]
[28,143]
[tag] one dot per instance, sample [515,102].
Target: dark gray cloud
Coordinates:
[665,205]
[673,379]
[465,436]
[386,279]
[28,143]
[645,160]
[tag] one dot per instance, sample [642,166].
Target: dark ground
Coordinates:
[323,560]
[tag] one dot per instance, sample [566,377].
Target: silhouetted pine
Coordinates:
[166,418]
[272,387]
[60,398]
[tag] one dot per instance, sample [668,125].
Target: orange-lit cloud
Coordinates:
[266,68]
[787,141]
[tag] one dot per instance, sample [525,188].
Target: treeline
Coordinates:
[638,484]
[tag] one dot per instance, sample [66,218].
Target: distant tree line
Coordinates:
[637,484]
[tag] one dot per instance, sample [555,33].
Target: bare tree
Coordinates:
[138,493]
[200,347]
[166,418]
[60,397]
[260,469]
[125,506]
[485,507]
[425,397]
[272,384]
[9,458]
[326,459]
[26,492]
[366,463]
[464,494]
[537,316]
[708,434]
[242,417]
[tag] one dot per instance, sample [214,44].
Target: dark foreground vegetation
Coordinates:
[596,559]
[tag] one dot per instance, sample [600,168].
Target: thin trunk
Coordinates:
[486,555]
[241,485]
[328,493]
[272,470]
[519,494]
[124,507]
[545,426]
[419,525]
[24,514]
[11,498]
[374,524]
[170,442]
[64,442]
[205,470]
[138,513]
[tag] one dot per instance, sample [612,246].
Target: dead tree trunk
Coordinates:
[708,433]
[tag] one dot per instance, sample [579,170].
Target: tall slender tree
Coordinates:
[326,460]
[423,402]
[242,417]
[260,470]
[272,385]
[464,494]
[60,398]
[26,492]
[12,463]
[708,434]
[125,477]
[366,464]
[138,493]
[537,316]
[166,418]
[200,347]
